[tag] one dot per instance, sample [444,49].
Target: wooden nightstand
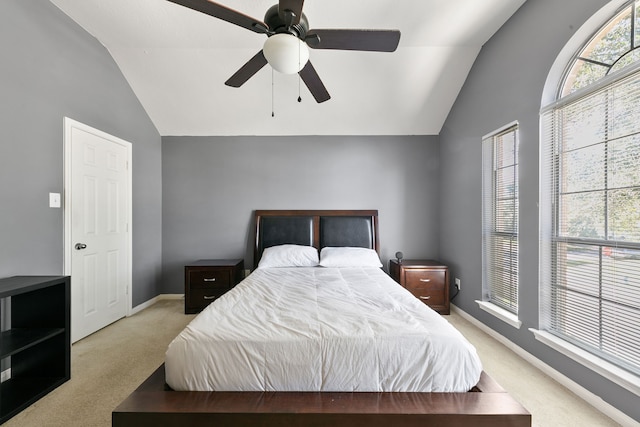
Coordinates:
[207,279]
[428,280]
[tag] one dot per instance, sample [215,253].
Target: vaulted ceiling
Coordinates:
[177,60]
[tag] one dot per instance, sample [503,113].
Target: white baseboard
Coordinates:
[149,303]
[592,399]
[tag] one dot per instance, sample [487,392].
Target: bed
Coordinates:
[253,393]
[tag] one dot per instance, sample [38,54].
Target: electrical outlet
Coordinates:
[458,283]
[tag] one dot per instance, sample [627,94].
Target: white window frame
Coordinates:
[500,291]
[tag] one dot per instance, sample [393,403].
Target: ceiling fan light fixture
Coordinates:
[286,53]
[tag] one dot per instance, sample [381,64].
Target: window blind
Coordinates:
[500,218]
[590,222]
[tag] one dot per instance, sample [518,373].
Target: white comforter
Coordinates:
[320,329]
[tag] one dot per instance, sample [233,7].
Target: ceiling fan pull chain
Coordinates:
[273,114]
[299,78]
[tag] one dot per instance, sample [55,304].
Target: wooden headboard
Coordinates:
[317,228]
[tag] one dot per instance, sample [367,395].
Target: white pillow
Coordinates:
[289,256]
[349,257]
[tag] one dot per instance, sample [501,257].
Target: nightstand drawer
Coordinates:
[424,279]
[203,297]
[209,279]
[429,294]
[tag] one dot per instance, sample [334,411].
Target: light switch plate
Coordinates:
[54,200]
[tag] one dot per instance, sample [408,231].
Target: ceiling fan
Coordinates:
[288,35]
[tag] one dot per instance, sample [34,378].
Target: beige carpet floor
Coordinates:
[108,365]
[549,403]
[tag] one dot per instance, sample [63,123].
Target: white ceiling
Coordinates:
[177,60]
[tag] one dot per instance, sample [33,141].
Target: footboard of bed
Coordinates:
[153,403]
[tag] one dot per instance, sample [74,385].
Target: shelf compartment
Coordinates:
[16,340]
[19,393]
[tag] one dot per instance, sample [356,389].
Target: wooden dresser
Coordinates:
[428,280]
[206,280]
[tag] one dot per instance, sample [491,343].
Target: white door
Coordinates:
[98,235]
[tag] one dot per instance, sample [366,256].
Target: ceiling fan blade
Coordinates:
[367,40]
[247,71]
[226,14]
[290,10]
[311,78]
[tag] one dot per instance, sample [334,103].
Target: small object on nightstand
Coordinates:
[208,279]
[399,256]
[428,280]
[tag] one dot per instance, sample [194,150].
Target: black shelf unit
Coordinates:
[36,343]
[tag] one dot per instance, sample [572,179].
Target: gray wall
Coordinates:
[506,84]
[212,185]
[51,68]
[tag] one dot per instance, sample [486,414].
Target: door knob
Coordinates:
[80,246]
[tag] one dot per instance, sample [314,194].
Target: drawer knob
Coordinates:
[210,297]
[425,280]
[213,279]
[424,298]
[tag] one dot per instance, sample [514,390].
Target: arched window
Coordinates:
[614,47]
[590,204]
